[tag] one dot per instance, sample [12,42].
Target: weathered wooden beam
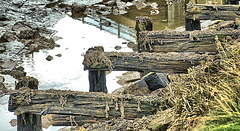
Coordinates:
[28,121]
[99,106]
[186,41]
[212,12]
[130,61]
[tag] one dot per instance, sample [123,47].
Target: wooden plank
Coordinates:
[89,104]
[212,12]
[129,61]
[186,41]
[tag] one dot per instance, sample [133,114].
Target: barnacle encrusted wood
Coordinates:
[100,106]
[171,62]
[191,41]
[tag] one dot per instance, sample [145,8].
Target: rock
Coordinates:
[3,18]
[28,34]
[33,47]
[78,8]
[49,58]
[20,26]
[8,65]
[58,55]
[27,81]
[128,77]
[13,122]
[2,48]
[130,45]
[138,88]
[2,79]
[3,90]
[155,80]
[118,47]
[17,73]
[8,37]
[105,23]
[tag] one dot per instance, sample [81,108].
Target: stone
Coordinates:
[3,90]
[128,77]
[8,37]
[28,34]
[27,81]
[20,26]
[3,18]
[2,79]
[118,47]
[58,55]
[130,45]
[2,48]
[76,8]
[17,73]
[13,122]
[156,80]
[49,58]
[138,88]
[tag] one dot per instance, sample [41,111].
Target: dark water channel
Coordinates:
[79,34]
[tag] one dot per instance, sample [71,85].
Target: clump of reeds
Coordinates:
[208,92]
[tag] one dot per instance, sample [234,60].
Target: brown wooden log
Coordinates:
[186,41]
[99,106]
[212,12]
[129,61]
[27,121]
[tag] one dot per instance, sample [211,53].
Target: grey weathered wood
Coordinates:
[186,41]
[130,61]
[99,106]
[212,12]
[27,121]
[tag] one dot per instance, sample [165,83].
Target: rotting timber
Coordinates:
[185,41]
[82,106]
[171,62]
[197,12]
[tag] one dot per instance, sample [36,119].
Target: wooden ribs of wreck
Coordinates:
[83,106]
[196,12]
[186,41]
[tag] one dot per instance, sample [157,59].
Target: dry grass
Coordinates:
[209,91]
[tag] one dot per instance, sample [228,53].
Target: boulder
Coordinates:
[76,8]
[27,81]
[155,80]
[138,88]
[7,37]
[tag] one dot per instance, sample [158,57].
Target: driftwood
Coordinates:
[152,62]
[186,41]
[85,106]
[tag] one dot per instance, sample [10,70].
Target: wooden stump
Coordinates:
[191,24]
[26,121]
[97,81]
[29,122]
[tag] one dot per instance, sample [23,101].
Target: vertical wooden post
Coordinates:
[191,25]
[143,23]
[26,121]
[97,81]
